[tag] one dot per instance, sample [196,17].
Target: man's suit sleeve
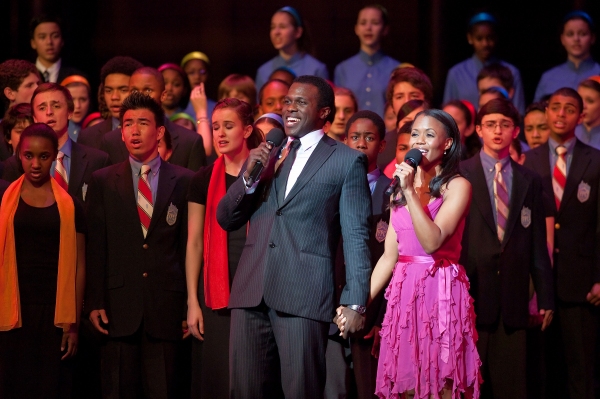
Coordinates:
[96,247]
[236,207]
[541,269]
[355,210]
[197,155]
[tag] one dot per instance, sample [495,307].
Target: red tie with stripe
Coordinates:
[559,175]
[145,206]
[60,173]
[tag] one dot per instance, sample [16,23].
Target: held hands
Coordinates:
[348,321]
[199,101]
[593,296]
[406,174]
[260,153]
[195,321]
[70,341]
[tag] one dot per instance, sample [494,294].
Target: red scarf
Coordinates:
[216,260]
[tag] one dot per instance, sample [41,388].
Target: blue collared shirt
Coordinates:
[591,137]
[136,168]
[367,76]
[115,123]
[65,149]
[372,179]
[461,83]
[74,130]
[565,75]
[489,170]
[300,63]
[569,144]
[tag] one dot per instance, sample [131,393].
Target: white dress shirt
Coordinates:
[308,143]
[52,71]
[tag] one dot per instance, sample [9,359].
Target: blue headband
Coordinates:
[501,90]
[292,11]
[482,17]
[271,115]
[578,14]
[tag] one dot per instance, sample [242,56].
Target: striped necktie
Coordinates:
[145,206]
[501,199]
[60,173]
[559,175]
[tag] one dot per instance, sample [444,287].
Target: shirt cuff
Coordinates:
[252,188]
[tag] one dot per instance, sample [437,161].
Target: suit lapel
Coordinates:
[520,185]
[379,198]
[166,184]
[172,132]
[78,166]
[482,196]
[579,163]
[322,152]
[124,186]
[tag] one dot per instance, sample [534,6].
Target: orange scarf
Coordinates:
[65,312]
[216,260]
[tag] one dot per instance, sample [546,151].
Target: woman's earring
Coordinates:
[444,152]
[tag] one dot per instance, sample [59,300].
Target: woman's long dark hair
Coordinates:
[450,160]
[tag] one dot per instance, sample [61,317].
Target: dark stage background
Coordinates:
[235,33]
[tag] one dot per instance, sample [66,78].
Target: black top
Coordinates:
[37,239]
[198,193]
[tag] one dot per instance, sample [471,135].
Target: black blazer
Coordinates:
[84,161]
[92,136]
[188,147]
[577,228]
[64,71]
[499,272]
[291,246]
[134,278]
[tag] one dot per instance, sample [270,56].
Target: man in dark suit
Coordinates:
[47,40]
[188,148]
[52,104]
[282,298]
[504,243]
[137,223]
[114,85]
[570,173]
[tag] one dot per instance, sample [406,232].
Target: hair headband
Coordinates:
[292,11]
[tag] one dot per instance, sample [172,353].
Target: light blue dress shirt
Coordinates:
[300,63]
[565,75]
[367,76]
[461,83]
[489,170]
[65,149]
[136,167]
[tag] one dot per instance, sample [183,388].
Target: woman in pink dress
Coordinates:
[428,335]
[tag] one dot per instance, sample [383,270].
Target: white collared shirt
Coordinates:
[308,143]
[52,71]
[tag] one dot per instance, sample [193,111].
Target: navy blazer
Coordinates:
[289,256]
[577,228]
[134,278]
[499,271]
[92,136]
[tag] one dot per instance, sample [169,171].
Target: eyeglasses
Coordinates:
[504,125]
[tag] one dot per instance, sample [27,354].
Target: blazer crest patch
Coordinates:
[583,192]
[381,232]
[172,214]
[526,217]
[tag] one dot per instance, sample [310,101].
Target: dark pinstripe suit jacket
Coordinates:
[290,250]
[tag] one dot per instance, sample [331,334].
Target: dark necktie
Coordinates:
[285,168]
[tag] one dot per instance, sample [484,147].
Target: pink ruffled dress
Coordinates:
[428,334]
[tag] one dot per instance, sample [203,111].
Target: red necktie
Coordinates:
[145,206]
[60,173]
[559,175]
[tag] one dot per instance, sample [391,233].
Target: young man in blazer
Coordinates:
[114,85]
[188,147]
[570,173]
[137,224]
[504,243]
[282,298]
[52,104]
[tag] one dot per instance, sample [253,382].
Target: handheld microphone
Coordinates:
[275,137]
[413,158]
